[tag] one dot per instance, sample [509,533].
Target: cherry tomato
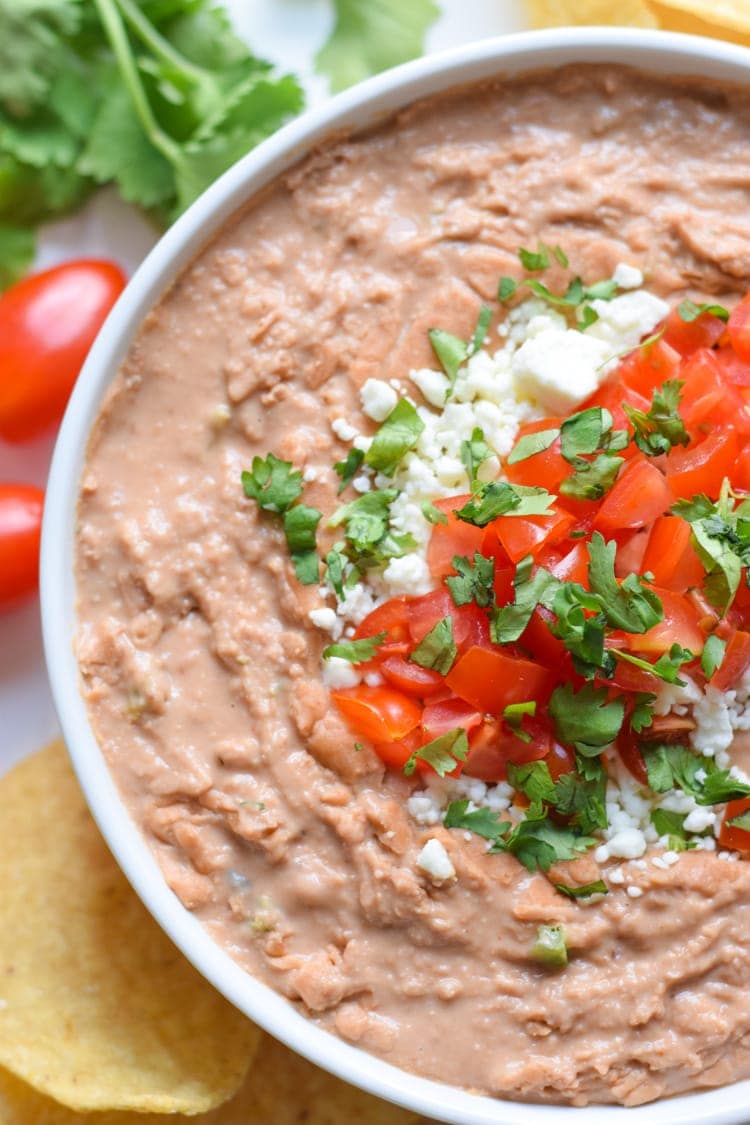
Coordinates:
[410,677]
[457,537]
[491,680]
[392,618]
[48,322]
[737,838]
[638,496]
[702,468]
[20,529]
[379,714]
[739,328]
[446,714]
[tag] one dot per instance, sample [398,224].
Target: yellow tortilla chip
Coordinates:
[281,1089]
[97,1007]
[719,20]
[563,13]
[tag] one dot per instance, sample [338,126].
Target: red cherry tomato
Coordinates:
[20,529]
[48,322]
[410,677]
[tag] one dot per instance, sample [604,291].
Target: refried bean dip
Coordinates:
[201,667]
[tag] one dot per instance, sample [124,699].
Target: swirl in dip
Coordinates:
[490,846]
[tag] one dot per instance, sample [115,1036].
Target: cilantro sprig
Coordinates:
[721,538]
[659,429]
[276,487]
[577,297]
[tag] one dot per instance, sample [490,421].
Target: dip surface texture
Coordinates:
[201,668]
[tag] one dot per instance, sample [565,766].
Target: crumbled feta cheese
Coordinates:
[616,876]
[361,483]
[435,861]
[327,620]
[628,843]
[671,858]
[425,808]
[627,277]
[699,819]
[378,399]
[625,320]
[433,385]
[635,892]
[339,673]
[343,430]
[560,368]
[408,575]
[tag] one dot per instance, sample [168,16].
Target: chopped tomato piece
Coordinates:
[503,585]
[525,535]
[573,566]
[739,328]
[740,474]
[560,760]
[491,680]
[454,538]
[707,397]
[670,556]
[546,469]
[448,714]
[737,838]
[410,677]
[734,369]
[627,748]
[611,395]
[646,369]
[396,754]
[680,626]
[736,661]
[630,678]
[539,642]
[379,714]
[470,623]
[638,496]
[702,468]
[687,336]
[391,618]
[631,547]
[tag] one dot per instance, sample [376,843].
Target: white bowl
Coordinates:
[658,52]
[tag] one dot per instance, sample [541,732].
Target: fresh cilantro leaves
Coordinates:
[368,38]
[589,434]
[369,540]
[577,296]
[474,452]
[599,887]
[443,753]
[535,261]
[498,498]
[628,605]
[276,487]
[689,311]
[721,538]
[666,668]
[586,719]
[537,841]
[433,514]
[482,822]
[452,352]
[672,825]
[662,427]
[514,714]
[480,332]
[474,582]
[357,652]
[349,468]
[671,766]
[398,434]
[531,444]
[157,98]
[437,650]
[508,623]
[712,655]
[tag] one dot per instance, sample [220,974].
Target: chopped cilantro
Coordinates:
[443,753]
[666,668]
[581,628]
[584,432]
[506,288]
[482,822]
[357,652]
[398,434]
[437,650]
[300,523]
[642,715]
[335,563]
[533,779]
[689,311]
[534,261]
[628,605]
[713,655]
[480,332]
[741,821]
[508,623]
[672,766]
[433,514]
[498,498]
[581,795]
[366,528]
[273,484]
[550,949]
[662,427]
[514,715]
[451,352]
[474,452]
[599,887]
[349,468]
[592,479]
[367,38]
[721,538]
[672,825]
[586,719]
[531,444]
[473,583]
[537,842]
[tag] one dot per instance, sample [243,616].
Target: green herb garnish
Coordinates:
[398,434]
[437,650]
[443,753]
[356,652]
[661,428]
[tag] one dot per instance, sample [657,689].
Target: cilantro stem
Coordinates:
[160,46]
[120,44]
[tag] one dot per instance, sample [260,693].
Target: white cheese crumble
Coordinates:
[339,673]
[378,399]
[627,277]
[435,861]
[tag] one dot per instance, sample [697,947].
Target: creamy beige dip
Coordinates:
[200,667]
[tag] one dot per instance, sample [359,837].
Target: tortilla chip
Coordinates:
[709,17]
[97,1007]
[563,13]
[281,1089]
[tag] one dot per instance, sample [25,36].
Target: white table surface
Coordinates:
[288,32]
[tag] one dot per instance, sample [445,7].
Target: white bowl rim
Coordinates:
[662,52]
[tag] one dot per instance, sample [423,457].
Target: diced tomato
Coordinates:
[573,566]
[631,546]
[680,626]
[740,475]
[638,496]
[702,468]
[687,336]
[560,760]
[454,538]
[503,585]
[734,369]
[737,838]
[491,680]
[525,535]
[391,618]
[707,397]
[540,643]
[447,714]
[627,748]
[539,745]
[546,469]
[379,714]
[736,661]
[410,677]
[493,745]
[739,328]
[670,556]
[633,679]
[470,623]
[646,369]
[396,754]
[611,395]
